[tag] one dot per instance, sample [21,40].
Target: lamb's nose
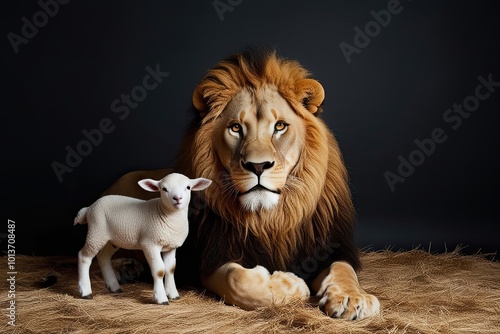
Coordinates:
[177,198]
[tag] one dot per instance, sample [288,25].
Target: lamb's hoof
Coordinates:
[174,298]
[165,303]
[89,296]
[117,291]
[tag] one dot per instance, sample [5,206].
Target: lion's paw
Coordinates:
[286,286]
[351,306]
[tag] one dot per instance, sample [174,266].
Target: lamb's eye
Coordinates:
[164,189]
[189,188]
[235,128]
[280,126]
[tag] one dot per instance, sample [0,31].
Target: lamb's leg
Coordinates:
[84,262]
[85,256]
[153,256]
[104,259]
[169,261]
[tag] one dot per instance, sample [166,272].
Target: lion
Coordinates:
[278,221]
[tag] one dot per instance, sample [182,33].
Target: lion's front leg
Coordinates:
[255,287]
[342,296]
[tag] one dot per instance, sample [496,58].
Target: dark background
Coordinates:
[394,91]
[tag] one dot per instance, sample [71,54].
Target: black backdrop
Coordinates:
[395,75]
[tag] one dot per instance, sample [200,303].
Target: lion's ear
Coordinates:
[310,93]
[199,102]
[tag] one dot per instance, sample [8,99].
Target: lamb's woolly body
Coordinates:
[127,221]
[157,227]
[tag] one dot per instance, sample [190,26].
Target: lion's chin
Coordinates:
[259,199]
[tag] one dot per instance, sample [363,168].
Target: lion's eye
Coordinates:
[235,127]
[280,126]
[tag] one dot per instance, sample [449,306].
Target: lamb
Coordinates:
[157,226]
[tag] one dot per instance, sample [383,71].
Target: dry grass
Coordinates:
[419,293]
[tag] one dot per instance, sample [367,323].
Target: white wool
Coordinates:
[158,227]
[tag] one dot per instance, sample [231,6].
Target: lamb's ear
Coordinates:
[310,93]
[200,184]
[199,102]
[150,185]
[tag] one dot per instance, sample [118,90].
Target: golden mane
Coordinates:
[315,212]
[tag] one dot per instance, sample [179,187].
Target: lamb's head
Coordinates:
[175,189]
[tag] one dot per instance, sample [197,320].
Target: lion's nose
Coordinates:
[257,167]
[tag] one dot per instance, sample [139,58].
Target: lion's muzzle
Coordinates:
[259,187]
[257,168]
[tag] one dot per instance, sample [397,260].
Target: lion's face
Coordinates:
[258,140]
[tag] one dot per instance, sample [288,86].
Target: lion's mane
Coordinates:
[313,223]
